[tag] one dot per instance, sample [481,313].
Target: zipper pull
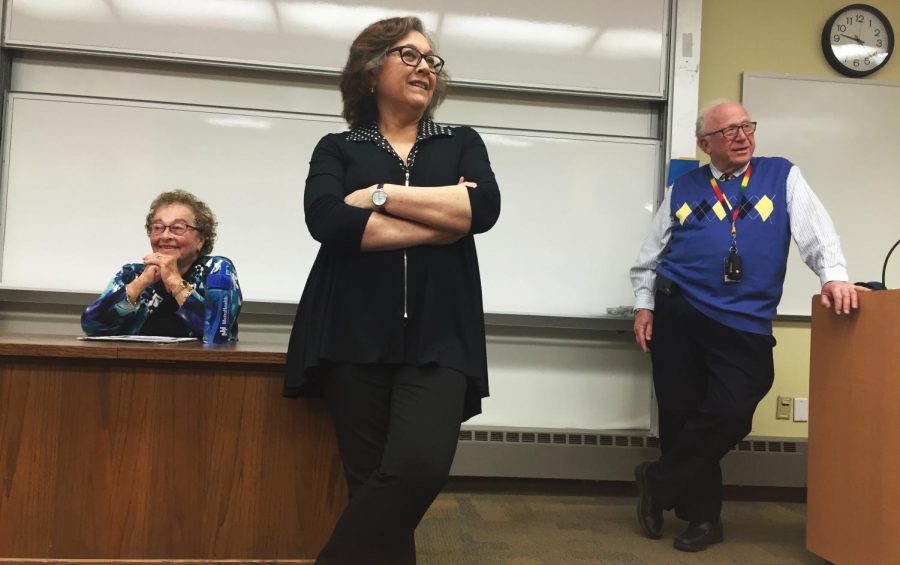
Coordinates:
[407,178]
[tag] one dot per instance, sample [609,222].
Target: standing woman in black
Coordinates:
[391,324]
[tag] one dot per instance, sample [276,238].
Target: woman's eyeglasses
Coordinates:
[175,228]
[412,57]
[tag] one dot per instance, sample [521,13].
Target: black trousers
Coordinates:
[397,429]
[708,380]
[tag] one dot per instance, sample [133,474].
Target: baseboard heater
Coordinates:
[611,456]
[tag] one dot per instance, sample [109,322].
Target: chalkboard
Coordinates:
[79,173]
[610,47]
[842,133]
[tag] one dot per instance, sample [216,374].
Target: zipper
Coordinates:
[405,263]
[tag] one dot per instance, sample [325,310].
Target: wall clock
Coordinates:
[858,40]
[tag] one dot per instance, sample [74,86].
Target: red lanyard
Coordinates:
[724,201]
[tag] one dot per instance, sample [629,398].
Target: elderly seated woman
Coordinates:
[164,294]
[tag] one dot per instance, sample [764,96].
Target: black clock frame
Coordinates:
[826,41]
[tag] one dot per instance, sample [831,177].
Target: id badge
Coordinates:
[734,267]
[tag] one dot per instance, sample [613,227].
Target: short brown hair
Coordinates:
[366,56]
[204,219]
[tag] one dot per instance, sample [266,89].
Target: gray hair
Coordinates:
[699,129]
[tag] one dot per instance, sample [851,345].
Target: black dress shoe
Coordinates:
[649,514]
[699,535]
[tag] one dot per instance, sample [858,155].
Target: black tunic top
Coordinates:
[352,308]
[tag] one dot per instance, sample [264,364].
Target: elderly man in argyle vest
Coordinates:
[707,283]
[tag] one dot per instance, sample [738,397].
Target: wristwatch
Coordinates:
[379,197]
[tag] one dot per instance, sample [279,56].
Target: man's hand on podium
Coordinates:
[842,295]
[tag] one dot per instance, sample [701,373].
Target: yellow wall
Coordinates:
[776,36]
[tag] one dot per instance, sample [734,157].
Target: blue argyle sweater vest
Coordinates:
[701,238]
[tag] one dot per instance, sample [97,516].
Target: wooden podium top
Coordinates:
[69,346]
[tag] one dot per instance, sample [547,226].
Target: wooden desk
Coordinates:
[119,451]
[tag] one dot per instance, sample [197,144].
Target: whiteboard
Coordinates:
[79,174]
[574,213]
[611,47]
[842,133]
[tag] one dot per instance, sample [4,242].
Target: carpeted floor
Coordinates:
[471,525]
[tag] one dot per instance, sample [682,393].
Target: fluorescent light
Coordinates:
[507,140]
[239,122]
[70,10]
[341,21]
[521,141]
[232,14]
[515,34]
[628,44]
[854,51]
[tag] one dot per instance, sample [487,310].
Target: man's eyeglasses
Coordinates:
[412,57]
[176,228]
[731,132]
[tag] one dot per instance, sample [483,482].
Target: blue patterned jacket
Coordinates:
[112,314]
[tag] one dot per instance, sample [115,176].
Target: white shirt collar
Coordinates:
[718,174]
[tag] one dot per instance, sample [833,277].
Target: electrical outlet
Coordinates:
[783,408]
[801,409]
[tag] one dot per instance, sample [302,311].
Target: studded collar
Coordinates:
[370,133]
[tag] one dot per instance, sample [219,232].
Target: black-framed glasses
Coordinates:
[731,132]
[175,228]
[412,57]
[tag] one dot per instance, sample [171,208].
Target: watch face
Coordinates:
[858,40]
[379,197]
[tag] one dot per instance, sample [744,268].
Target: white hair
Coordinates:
[699,130]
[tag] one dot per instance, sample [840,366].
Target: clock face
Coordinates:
[858,40]
[379,197]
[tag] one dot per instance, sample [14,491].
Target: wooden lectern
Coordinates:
[853,510]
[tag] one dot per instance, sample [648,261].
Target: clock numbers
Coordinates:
[857,40]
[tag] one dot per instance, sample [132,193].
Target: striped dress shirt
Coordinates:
[811,228]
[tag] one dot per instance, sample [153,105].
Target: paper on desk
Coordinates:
[139,338]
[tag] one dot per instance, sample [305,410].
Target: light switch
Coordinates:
[783,408]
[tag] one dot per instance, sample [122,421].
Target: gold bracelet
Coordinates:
[182,286]
[137,301]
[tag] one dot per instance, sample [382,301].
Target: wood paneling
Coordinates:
[129,458]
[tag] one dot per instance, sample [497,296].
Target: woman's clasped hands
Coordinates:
[161,267]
